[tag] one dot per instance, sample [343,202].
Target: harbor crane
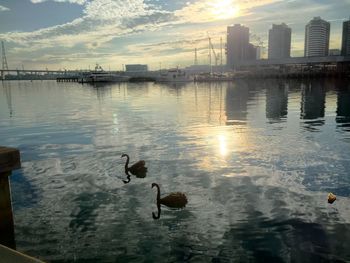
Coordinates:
[211,48]
[260,43]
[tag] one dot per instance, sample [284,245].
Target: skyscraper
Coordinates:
[237,44]
[317,38]
[279,41]
[345,47]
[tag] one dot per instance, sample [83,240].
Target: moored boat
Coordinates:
[99,75]
[174,75]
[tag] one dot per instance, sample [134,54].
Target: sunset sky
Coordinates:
[74,34]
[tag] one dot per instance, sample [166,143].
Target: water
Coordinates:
[255,159]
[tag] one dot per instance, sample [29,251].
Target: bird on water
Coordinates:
[138,169]
[173,200]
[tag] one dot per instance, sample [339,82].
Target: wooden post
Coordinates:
[9,160]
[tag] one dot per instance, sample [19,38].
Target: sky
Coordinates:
[77,34]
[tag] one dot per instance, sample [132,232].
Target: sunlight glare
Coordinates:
[223,145]
[224,9]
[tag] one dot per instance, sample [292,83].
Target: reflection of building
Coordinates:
[317,38]
[276,102]
[237,96]
[343,106]
[136,67]
[238,46]
[313,101]
[279,41]
[345,48]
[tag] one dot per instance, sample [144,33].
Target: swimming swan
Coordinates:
[138,169]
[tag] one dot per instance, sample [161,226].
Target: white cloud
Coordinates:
[102,21]
[208,11]
[3,8]
[79,2]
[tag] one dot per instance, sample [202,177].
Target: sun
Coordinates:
[224,9]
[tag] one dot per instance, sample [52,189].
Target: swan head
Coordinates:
[153,185]
[124,155]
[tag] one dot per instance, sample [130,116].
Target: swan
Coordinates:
[138,169]
[173,200]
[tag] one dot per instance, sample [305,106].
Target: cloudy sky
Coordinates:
[76,34]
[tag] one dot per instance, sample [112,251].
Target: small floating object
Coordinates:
[331,198]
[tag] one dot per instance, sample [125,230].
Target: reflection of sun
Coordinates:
[224,9]
[222,145]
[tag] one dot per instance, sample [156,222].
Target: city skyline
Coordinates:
[78,33]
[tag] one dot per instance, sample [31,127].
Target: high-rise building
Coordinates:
[237,44]
[345,47]
[279,41]
[317,38]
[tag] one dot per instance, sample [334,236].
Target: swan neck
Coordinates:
[127,163]
[158,193]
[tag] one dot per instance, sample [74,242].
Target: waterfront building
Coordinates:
[136,68]
[279,41]
[251,52]
[334,52]
[345,48]
[317,38]
[238,47]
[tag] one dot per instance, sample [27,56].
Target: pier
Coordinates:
[67,79]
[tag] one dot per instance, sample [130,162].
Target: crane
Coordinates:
[211,48]
[260,43]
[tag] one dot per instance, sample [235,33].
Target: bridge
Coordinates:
[34,73]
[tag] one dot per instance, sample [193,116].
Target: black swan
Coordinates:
[138,169]
[173,200]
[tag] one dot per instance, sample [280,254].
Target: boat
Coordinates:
[99,75]
[174,75]
[205,77]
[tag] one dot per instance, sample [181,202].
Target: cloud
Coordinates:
[170,30]
[79,2]
[3,8]
[102,21]
[209,10]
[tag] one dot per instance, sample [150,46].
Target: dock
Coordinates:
[67,79]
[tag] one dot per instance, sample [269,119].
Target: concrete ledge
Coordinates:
[9,159]
[9,255]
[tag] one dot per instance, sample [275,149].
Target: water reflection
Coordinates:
[343,106]
[237,96]
[313,99]
[7,89]
[257,193]
[277,102]
[262,240]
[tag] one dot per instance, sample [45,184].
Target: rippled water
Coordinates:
[255,159]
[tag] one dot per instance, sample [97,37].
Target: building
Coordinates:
[317,38]
[279,41]
[251,52]
[334,52]
[238,48]
[345,47]
[136,68]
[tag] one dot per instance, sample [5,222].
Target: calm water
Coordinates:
[256,160]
